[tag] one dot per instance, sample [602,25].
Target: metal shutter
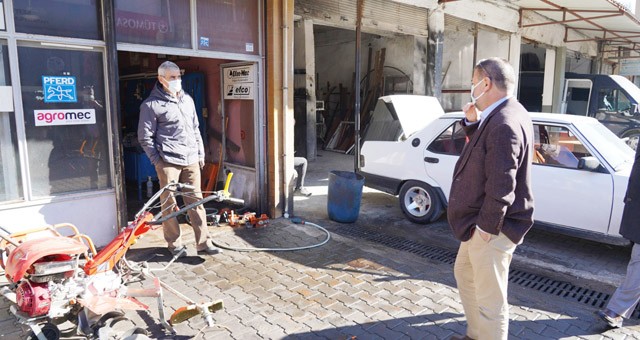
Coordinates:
[378,15]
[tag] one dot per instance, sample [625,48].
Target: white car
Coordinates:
[579,176]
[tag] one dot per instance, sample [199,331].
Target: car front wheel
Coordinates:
[419,202]
[632,138]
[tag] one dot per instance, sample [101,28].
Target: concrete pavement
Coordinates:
[367,281]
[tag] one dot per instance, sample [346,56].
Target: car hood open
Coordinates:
[397,117]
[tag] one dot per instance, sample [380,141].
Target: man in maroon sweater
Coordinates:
[491,203]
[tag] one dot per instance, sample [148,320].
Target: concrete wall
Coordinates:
[335,56]
[457,64]
[465,43]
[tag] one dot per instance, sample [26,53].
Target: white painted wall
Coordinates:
[493,44]
[429,4]
[549,72]
[498,15]
[577,64]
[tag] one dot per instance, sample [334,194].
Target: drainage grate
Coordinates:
[399,243]
[543,284]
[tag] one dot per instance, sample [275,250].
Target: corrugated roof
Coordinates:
[598,20]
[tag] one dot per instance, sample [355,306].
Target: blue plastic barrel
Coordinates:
[345,193]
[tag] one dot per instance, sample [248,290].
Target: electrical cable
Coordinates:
[295,220]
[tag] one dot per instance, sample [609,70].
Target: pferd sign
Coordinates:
[59,89]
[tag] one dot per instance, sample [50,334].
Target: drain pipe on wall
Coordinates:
[288,194]
[356,109]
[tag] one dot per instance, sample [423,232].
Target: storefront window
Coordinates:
[154,22]
[228,26]
[10,179]
[63,97]
[63,18]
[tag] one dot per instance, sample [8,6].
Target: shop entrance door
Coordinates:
[240,121]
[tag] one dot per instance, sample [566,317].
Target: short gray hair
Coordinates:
[167,66]
[499,71]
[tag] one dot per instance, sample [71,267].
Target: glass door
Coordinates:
[10,178]
[239,122]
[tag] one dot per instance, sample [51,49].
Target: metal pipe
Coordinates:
[356,109]
[285,109]
[113,90]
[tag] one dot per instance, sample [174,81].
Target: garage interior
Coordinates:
[327,120]
[201,79]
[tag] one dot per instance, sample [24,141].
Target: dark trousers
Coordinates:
[300,163]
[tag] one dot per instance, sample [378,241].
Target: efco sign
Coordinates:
[64,117]
[238,91]
[239,82]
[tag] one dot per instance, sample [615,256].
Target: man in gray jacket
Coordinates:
[168,132]
[625,299]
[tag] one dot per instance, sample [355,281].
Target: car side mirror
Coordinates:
[589,163]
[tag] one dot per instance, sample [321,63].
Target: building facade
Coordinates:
[74,73]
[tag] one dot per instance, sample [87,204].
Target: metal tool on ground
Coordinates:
[57,276]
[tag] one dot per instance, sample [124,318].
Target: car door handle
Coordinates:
[431,160]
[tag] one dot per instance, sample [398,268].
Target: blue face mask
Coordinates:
[475,99]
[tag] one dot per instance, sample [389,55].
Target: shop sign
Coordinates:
[239,91]
[138,24]
[239,74]
[64,117]
[239,82]
[59,89]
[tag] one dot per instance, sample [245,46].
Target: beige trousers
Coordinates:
[482,272]
[189,174]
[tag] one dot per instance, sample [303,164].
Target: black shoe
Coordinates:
[179,252]
[610,317]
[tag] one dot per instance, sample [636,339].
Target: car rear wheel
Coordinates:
[419,202]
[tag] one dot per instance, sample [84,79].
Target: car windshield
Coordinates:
[628,86]
[615,151]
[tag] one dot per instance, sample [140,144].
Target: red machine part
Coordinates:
[21,259]
[258,222]
[107,258]
[33,298]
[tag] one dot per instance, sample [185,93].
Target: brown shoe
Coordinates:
[455,337]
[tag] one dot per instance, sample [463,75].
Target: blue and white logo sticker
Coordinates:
[59,89]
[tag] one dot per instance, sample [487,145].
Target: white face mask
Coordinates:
[475,99]
[175,86]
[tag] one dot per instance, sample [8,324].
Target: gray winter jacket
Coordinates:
[168,128]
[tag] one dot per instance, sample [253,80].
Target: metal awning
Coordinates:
[606,21]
